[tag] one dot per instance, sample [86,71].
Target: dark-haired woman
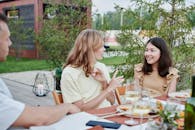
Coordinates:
[156,74]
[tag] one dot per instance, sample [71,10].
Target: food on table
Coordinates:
[181,114]
[153,112]
[185,95]
[159,105]
[141,109]
[179,95]
[125,107]
[138,111]
[180,123]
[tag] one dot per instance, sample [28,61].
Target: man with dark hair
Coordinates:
[17,114]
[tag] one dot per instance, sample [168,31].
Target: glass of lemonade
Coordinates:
[132,93]
[141,108]
[132,96]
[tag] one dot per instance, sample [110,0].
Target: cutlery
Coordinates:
[108,113]
[112,115]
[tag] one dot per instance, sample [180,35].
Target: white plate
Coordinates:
[182,96]
[130,113]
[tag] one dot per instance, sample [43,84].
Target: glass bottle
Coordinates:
[190,108]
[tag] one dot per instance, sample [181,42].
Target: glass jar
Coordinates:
[41,87]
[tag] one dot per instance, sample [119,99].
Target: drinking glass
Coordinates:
[146,96]
[152,125]
[132,95]
[131,121]
[133,91]
[137,87]
[141,108]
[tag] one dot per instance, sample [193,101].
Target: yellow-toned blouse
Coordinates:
[153,81]
[76,86]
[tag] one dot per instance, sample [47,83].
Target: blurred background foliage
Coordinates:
[58,33]
[143,21]
[146,20]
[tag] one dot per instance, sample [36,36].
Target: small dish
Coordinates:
[129,112]
[131,122]
[181,96]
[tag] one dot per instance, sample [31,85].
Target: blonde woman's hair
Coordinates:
[82,53]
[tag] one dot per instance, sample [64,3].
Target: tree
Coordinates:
[173,25]
[191,17]
[58,33]
[97,21]
[20,35]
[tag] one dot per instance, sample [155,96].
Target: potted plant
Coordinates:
[57,78]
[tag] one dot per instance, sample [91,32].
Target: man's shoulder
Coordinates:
[10,110]
[4,89]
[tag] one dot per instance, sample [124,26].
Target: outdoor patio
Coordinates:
[21,84]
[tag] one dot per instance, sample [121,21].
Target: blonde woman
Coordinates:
[86,82]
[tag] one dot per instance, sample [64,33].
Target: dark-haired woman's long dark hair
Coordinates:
[165,60]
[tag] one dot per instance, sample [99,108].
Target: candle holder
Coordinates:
[41,87]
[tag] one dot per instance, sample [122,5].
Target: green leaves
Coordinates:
[58,33]
[169,114]
[149,19]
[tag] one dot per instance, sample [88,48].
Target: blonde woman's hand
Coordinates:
[99,76]
[114,83]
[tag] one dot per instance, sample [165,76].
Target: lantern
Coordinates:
[41,87]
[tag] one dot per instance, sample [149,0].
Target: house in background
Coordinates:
[111,37]
[31,11]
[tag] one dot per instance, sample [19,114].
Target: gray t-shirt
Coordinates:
[10,109]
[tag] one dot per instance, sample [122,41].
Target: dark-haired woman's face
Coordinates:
[152,54]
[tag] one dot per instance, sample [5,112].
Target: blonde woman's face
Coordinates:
[99,53]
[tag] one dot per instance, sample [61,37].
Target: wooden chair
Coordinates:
[57,95]
[117,94]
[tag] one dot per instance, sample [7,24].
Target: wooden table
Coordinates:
[121,119]
[78,121]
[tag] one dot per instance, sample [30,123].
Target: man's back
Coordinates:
[10,109]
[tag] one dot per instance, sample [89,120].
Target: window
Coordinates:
[12,13]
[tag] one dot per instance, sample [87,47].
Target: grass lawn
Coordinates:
[25,64]
[116,60]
